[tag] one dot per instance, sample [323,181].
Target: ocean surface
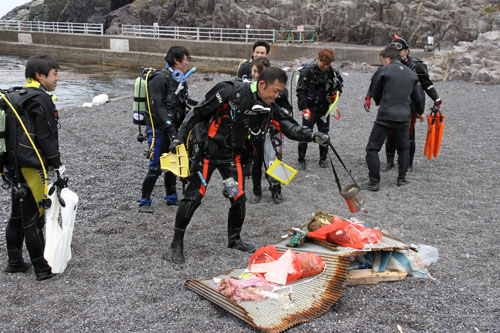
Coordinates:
[77,84]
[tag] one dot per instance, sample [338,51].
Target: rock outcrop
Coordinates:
[477,61]
[370,22]
[472,24]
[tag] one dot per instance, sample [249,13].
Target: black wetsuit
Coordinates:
[23,167]
[227,109]
[417,66]
[168,110]
[313,90]
[395,87]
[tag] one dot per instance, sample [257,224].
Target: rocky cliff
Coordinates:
[477,61]
[369,22]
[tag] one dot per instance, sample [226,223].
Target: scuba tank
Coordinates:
[140,108]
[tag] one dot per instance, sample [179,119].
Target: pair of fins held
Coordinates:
[58,236]
[177,163]
[435,123]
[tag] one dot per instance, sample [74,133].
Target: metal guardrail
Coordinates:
[296,36]
[174,32]
[221,34]
[59,27]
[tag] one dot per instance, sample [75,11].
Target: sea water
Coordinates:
[77,84]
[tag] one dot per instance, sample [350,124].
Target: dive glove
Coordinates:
[320,138]
[332,98]
[437,104]
[306,114]
[173,144]
[368,103]
[60,183]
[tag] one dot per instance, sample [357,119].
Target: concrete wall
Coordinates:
[134,52]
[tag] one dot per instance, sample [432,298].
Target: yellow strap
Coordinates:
[32,83]
[241,63]
[150,117]
[35,184]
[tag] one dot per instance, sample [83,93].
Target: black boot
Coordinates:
[177,252]
[235,221]
[412,150]
[402,181]
[172,200]
[42,269]
[276,194]
[170,187]
[390,163]
[16,264]
[182,218]
[371,185]
[235,241]
[323,153]
[302,148]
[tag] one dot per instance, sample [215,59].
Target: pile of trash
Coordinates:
[269,269]
[300,278]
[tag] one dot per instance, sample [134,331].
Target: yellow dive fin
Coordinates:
[177,163]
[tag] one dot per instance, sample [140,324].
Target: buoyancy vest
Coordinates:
[321,85]
[412,63]
[230,125]
[19,151]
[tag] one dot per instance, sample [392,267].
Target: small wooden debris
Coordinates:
[367,276]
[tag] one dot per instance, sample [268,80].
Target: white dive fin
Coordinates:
[59,252]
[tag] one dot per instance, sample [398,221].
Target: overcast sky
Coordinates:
[8,5]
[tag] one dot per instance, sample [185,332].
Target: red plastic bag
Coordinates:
[284,268]
[320,234]
[346,236]
[347,233]
[267,253]
[311,264]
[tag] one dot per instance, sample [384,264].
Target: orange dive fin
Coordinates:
[431,135]
[439,133]
[427,141]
